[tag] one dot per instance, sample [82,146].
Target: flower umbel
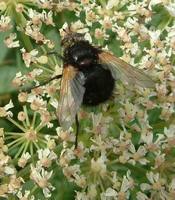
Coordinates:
[28,138]
[126,145]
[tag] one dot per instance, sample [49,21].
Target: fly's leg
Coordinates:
[44,83]
[51,79]
[77,130]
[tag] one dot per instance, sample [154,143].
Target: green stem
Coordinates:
[34,119]
[14,146]
[44,68]
[21,21]
[36,145]
[27,116]
[26,40]
[15,141]
[42,145]
[31,148]
[13,133]
[16,124]
[43,141]
[26,146]
[101,184]
[33,190]
[44,50]
[39,127]
[20,150]
[52,63]
[24,124]
[167,23]
[11,137]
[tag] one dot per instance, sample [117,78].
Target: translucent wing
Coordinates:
[124,71]
[71,96]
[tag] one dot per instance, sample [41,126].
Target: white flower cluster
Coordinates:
[126,146]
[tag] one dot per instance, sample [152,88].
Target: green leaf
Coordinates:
[153,115]
[161,18]
[114,46]
[54,36]
[7,74]
[3,53]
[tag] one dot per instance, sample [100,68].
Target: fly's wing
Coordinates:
[124,71]
[71,96]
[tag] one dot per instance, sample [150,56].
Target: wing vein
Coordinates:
[124,71]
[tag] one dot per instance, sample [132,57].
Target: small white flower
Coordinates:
[45,157]
[169,140]
[153,3]
[111,4]
[99,144]
[151,144]
[172,185]
[141,196]
[81,196]
[9,105]
[100,123]
[37,103]
[5,23]
[71,172]
[138,156]
[26,195]
[33,14]
[79,27]
[131,22]
[62,30]
[88,37]
[159,159]
[99,166]
[154,36]
[10,41]
[9,170]
[47,18]
[110,193]
[41,177]
[66,156]
[23,160]
[156,183]
[171,9]
[29,57]
[4,111]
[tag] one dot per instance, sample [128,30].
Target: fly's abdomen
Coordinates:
[99,85]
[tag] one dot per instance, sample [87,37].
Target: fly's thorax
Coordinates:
[71,38]
[81,54]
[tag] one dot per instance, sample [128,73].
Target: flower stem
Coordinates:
[27,116]
[15,141]
[34,119]
[20,150]
[16,124]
